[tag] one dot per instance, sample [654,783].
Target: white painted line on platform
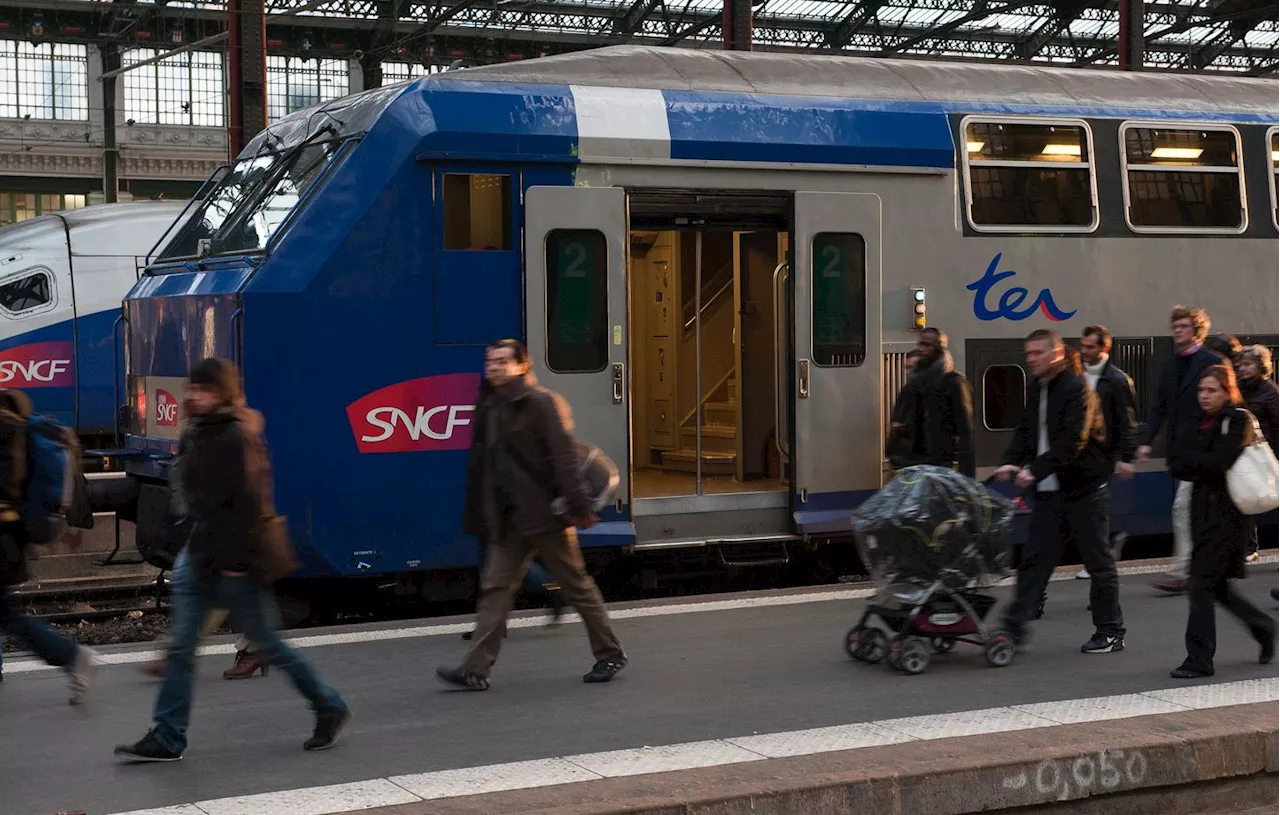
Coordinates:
[407,789]
[665,610]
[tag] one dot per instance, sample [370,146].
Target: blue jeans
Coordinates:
[51,646]
[255,613]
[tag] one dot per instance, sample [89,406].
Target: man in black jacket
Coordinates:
[1059,448]
[227,485]
[940,424]
[1175,407]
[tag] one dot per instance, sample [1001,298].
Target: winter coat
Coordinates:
[1263,401]
[529,463]
[14,412]
[1203,455]
[1077,454]
[1176,405]
[226,483]
[938,419]
[1117,401]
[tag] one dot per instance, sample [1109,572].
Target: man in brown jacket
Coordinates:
[523,457]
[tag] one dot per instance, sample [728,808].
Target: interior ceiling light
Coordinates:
[976,147]
[1275,155]
[1177,152]
[1061,150]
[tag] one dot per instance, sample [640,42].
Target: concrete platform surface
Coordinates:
[729,675]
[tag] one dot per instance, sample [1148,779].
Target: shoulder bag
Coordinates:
[1251,481]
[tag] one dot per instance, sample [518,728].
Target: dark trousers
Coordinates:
[1203,591]
[1085,520]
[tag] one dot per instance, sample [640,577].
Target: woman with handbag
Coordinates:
[237,549]
[1204,455]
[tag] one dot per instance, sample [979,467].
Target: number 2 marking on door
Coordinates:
[578,260]
[832,255]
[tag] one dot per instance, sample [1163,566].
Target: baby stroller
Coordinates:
[932,540]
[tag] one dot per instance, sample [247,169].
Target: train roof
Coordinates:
[97,229]
[953,83]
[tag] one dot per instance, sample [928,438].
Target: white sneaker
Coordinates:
[82,671]
[1083,574]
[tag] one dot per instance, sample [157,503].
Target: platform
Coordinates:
[713,682]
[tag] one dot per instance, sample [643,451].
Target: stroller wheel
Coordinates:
[866,644]
[854,639]
[942,645]
[913,655]
[1000,649]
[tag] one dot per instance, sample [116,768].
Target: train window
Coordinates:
[1274,143]
[1182,179]
[839,299]
[1004,395]
[577,301]
[26,293]
[1036,173]
[477,212]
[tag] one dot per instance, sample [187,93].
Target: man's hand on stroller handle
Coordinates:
[1024,478]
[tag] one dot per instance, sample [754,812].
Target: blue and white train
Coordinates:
[62,278]
[719,258]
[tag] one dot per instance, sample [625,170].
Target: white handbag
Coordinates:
[1252,480]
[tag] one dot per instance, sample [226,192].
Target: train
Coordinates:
[62,279]
[719,258]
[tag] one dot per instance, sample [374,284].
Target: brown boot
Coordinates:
[1170,584]
[155,667]
[246,666]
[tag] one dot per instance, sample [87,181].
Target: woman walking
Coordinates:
[1253,367]
[1202,455]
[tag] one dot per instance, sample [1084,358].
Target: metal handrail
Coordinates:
[781,436]
[715,298]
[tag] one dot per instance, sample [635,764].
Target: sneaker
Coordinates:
[149,749]
[1252,557]
[462,679]
[1083,574]
[605,669]
[328,725]
[1103,644]
[81,673]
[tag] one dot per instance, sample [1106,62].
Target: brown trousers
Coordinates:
[506,562]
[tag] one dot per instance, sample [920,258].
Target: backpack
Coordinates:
[54,482]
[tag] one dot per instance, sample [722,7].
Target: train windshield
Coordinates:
[250,203]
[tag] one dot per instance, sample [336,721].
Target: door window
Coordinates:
[577,301]
[1004,395]
[477,212]
[839,299]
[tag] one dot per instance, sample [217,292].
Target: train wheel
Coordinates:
[915,656]
[1000,649]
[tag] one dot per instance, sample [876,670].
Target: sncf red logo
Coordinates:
[166,409]
[38,365]
[432,413]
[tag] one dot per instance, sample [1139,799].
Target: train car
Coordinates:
[719,258]
[62,278]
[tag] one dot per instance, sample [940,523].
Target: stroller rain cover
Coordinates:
[933,523]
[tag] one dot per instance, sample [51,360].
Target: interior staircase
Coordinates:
[719,434]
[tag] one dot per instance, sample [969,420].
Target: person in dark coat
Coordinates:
[903,447]
[524,461]
[1202,455]
[941,424]
[79,662]
[1175,409]
[1058,448]
[1253,369]
[227,486]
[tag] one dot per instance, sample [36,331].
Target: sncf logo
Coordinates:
[38,365]
[166,409]
[419,415]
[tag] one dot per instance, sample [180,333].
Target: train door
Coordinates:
[837,452]
[997,373]
[576,312]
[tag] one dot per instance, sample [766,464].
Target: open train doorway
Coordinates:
[710,336]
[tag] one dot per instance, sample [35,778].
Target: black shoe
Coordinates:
[462,679]
[1183,672]
[605,669]
[1102,643]
[328,725]
[558,605]
[1039,612]
[149,749]
[467,635]
[1275,594]
[1267,648]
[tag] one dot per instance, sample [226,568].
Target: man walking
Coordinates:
[940,421]
[78,661]
[1058,448]
[1116,399]
[1176,405]
[226,483]
[523,458]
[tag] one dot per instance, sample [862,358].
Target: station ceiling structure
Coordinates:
[1239,36]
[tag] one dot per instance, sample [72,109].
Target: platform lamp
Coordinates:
[917,308]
